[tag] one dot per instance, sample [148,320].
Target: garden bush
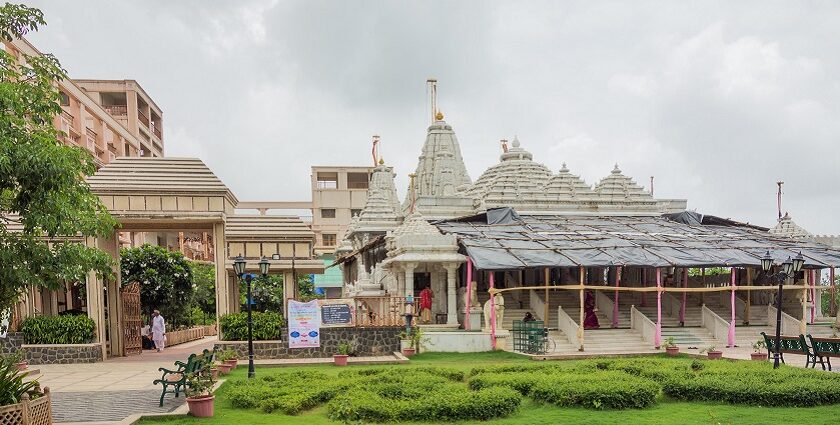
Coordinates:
[72,329]
[266,326]
[288,393]
[604,390]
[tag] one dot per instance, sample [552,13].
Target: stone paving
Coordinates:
[86,406]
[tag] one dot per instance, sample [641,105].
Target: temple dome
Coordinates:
[515,179]
[619,187]
[440,167]
[565,186]
[787,227]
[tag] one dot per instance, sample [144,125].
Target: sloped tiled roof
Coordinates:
[267,228]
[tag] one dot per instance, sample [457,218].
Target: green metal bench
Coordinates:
[174,381]
[791,345]
[825,348]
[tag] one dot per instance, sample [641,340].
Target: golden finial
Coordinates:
[381,161]
[439,116]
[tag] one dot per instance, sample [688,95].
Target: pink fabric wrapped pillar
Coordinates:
[468,295]
[657,338]
[813,295]
[644,284]
[684,296]
[730,338]
[615,303]
[492,314]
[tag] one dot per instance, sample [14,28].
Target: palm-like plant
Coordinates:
[12,385]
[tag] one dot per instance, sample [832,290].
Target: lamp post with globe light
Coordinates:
[239,268]
[789,269]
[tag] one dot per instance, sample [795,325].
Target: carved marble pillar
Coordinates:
[451,300]
[409,279]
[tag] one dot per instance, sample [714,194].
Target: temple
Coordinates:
[608,263]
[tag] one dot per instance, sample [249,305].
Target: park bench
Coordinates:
[791,345]
[174,380]
[825,348]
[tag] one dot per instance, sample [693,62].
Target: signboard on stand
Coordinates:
[337,313]
[304,324]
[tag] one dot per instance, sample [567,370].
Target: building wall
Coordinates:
[88,124]
[343,198]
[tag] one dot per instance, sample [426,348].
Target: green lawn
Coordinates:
[530,412]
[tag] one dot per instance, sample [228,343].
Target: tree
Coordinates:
[44,199]
[204,287]
[267,293]
[165,278]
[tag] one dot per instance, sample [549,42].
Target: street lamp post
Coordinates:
[789,270]
[239,269]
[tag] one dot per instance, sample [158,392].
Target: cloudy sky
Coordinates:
[717,100]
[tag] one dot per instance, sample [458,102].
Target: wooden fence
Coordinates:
[380,311]
[185,335]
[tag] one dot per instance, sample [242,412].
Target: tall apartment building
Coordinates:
[338,193]
[102,115]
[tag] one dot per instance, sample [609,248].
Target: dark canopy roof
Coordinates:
[520,241]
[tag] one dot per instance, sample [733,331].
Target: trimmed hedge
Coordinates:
[266,327]
[606,390]
[70,329]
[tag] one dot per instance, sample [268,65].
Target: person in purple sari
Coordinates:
[590,320]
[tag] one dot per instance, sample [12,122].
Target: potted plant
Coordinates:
[758,350]
[17,359]
[405,342]
[712,352]
[671,346]
[231,358]
[413,339]
[223,365]
[200,397]
[340,358]
[20,397]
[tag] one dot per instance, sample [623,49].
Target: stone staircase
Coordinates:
[607,340]
[690,337]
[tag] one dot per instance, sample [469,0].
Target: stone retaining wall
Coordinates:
[62,353]
[11,343]
[364,342]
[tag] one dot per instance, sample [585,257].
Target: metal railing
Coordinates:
[143,118]
[380,311]
[156,131]
[116,110]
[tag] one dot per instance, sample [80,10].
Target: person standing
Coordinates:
[158,330]
[426,296]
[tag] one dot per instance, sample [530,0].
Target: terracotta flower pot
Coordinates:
[408,352]
[672,351]
[201,406]
[340,359]
[21,366]
[714,355]
[232,363]
[758,356]
[214,373]
[224,368]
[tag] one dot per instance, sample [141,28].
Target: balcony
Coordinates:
[156,131]
[143,118]
[117,110]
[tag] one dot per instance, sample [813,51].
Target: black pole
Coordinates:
[250,331]
[778,325]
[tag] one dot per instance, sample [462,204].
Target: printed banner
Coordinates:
[304,324]
[336,313]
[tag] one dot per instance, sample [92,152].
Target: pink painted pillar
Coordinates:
[468,295]
[492,314]
[730,338]
[832,309]
[615,303]
[813,295]
[657,338]
[644,284]
[684,295]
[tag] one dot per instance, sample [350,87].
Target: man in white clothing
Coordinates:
[158,330]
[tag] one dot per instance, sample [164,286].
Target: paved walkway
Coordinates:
[109,406]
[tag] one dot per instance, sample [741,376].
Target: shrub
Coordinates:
[266,326]
[12,384]
[75,329]
[521,382]
[605,390]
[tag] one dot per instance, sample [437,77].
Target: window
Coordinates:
[327,181]
[329,239]
[357,180]
[65,100]
[355,211]
[327,212]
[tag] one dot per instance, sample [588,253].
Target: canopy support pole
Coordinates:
[643,302]
[749,297]
[492,311]
[684,297]
[730,338]
[615,303]
[657,337]
[546,304]
[803,324]
[703,282]
[582,296]
[813,295]
[832,309]
[468,296]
